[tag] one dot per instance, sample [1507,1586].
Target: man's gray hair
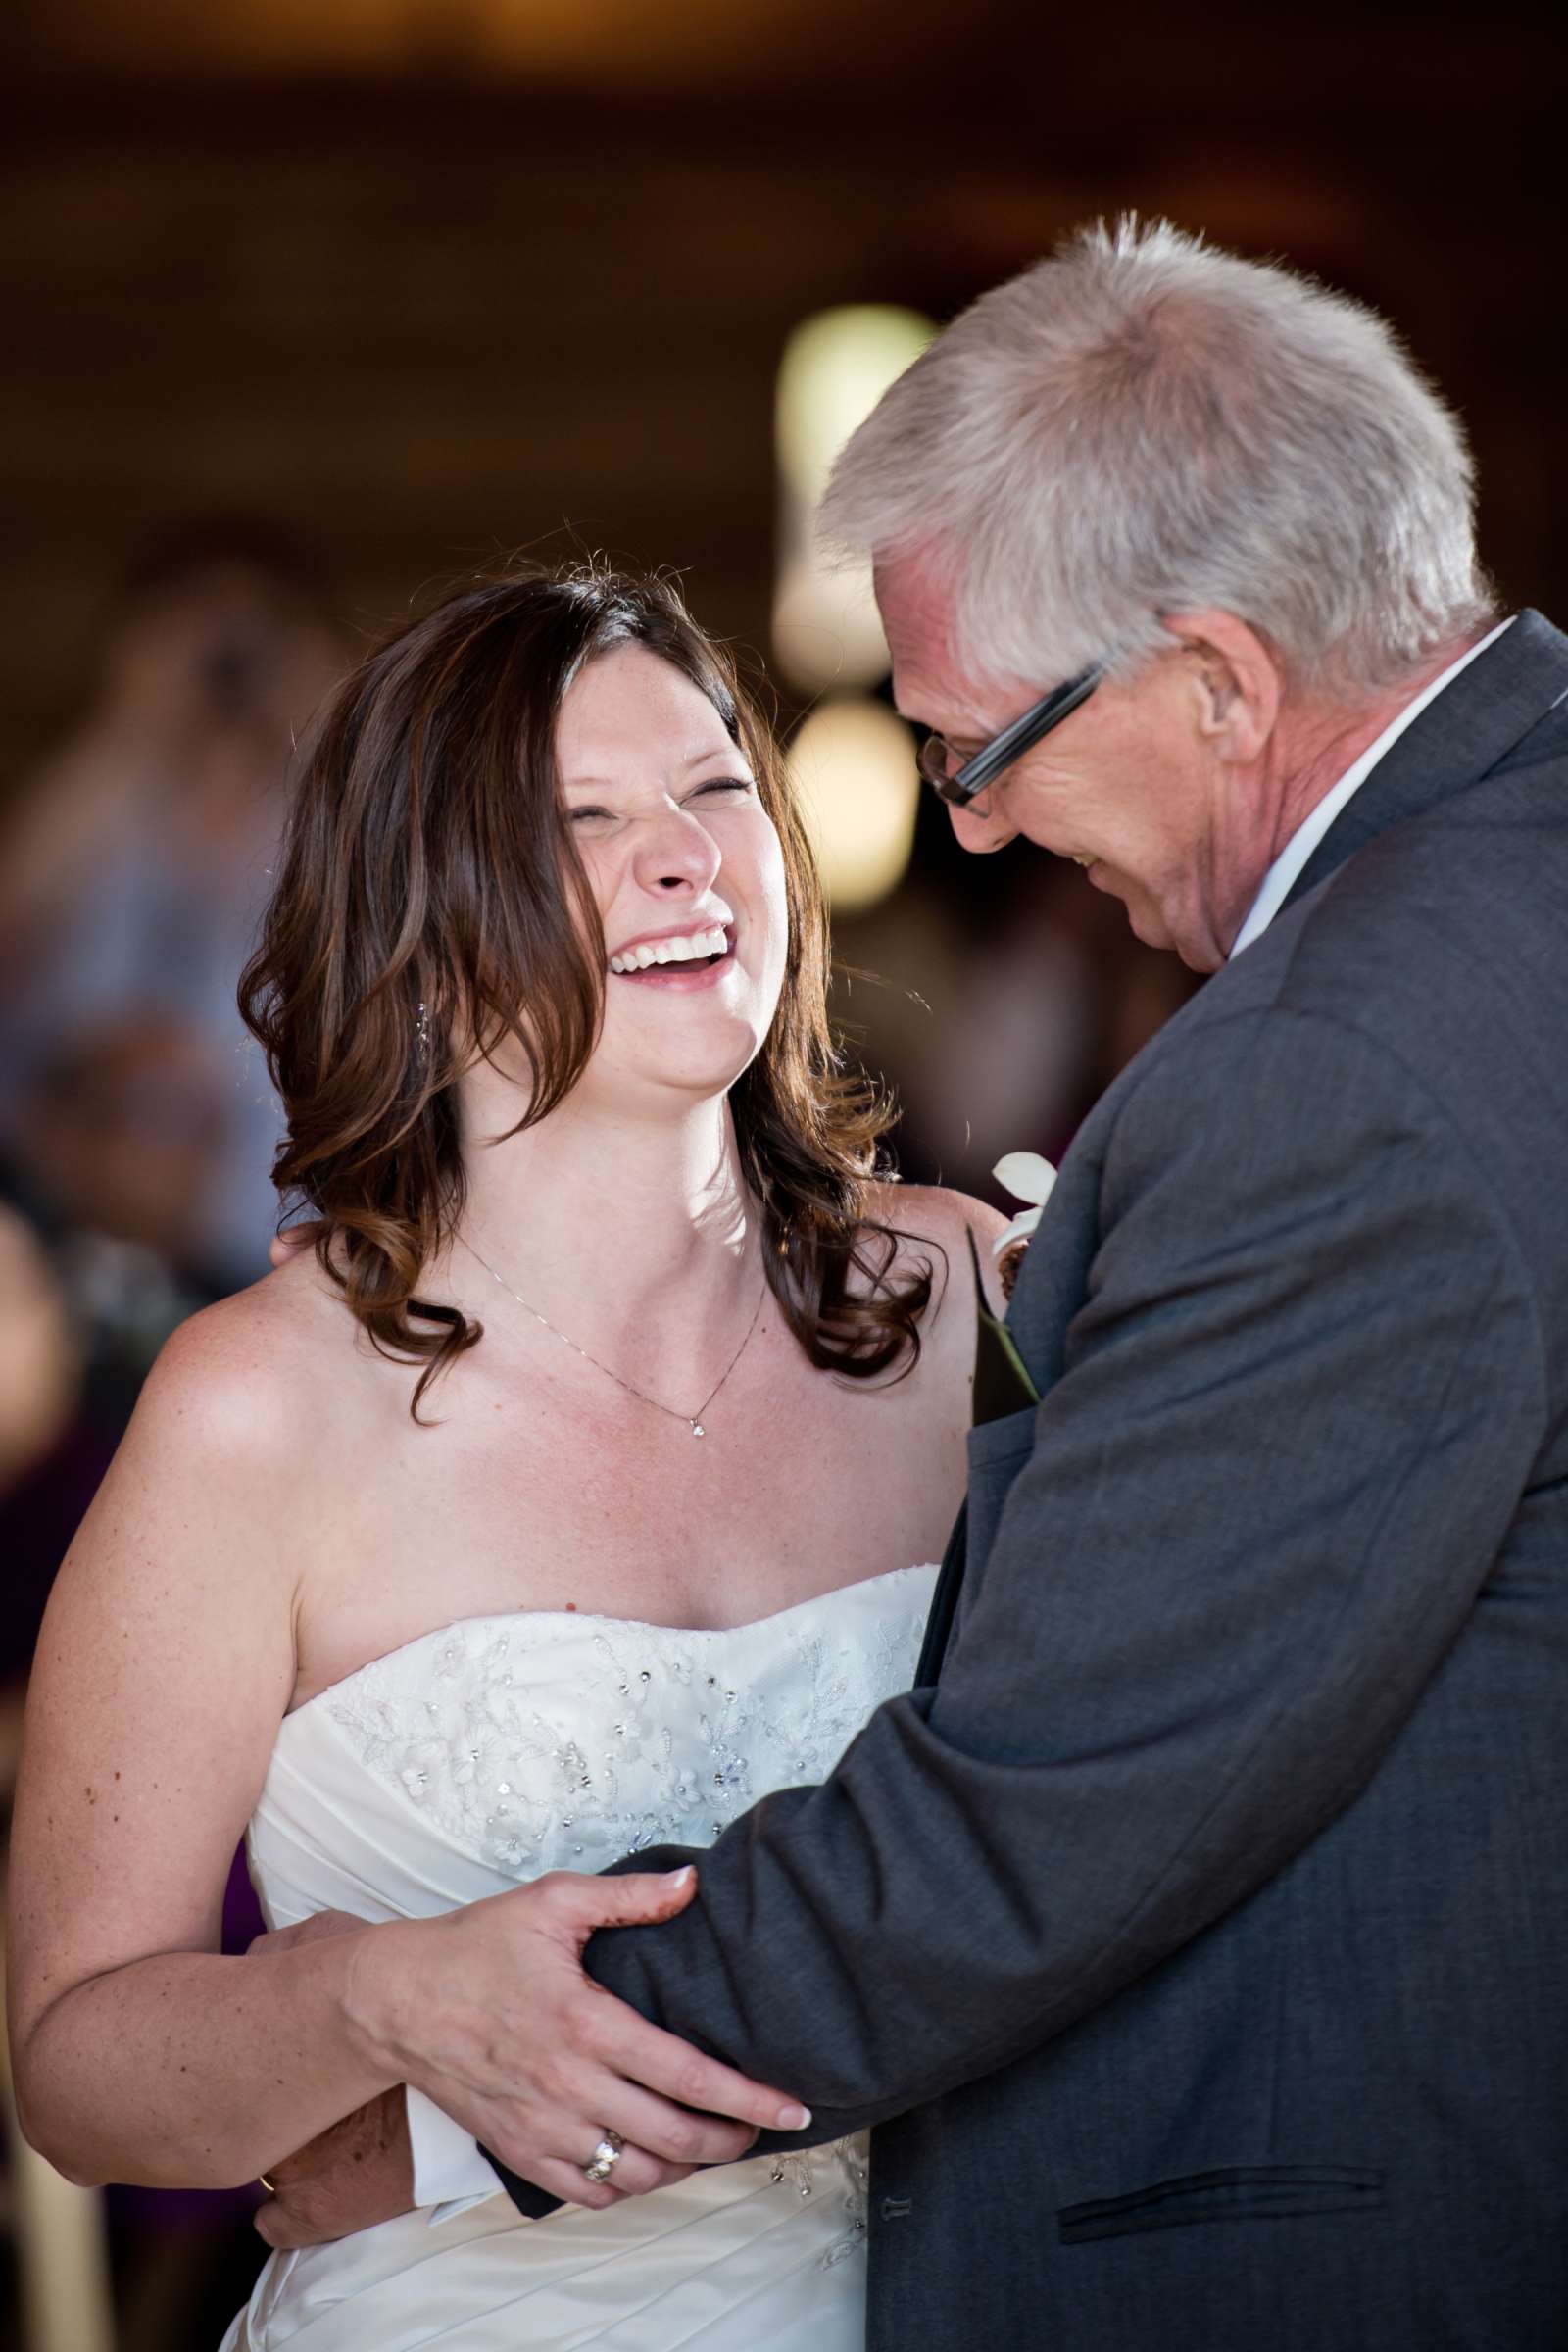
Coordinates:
[1143,424]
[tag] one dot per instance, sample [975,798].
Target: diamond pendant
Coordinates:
[697,1431]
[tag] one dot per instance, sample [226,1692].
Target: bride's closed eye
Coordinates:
[734,787]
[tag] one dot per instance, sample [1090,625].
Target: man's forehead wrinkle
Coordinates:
[943,701]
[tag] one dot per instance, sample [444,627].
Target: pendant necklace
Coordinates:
[693,1421]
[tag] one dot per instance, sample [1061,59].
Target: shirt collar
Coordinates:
[1291,861]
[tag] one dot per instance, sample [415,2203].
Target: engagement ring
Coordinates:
[604,2158]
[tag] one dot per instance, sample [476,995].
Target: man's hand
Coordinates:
[534,2059]
[359,2173]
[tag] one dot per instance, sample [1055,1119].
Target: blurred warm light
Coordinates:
[852,768]
[618,42]
[826,631]
[836,368]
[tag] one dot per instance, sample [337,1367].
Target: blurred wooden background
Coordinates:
[429,279]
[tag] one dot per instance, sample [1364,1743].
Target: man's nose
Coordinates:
[676,851]
[981,826]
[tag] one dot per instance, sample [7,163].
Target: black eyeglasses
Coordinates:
[963,784]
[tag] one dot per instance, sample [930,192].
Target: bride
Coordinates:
[566,1497]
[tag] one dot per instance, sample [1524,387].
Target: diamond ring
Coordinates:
[604,2158]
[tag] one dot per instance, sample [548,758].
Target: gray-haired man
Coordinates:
[1195,1934]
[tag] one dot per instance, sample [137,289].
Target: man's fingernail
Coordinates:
[794,2119]
[678,1878]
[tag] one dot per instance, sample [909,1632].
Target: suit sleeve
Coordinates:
[1297,1411]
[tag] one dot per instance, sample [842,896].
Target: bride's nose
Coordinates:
[676,851]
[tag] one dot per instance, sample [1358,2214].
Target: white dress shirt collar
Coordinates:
[1291,861]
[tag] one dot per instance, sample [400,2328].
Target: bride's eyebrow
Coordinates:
[695,759]
[720,750]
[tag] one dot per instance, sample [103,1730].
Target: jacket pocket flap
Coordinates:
[1239,2193]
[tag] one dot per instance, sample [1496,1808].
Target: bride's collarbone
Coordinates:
[623,1519]
[568,1419]
[347,1623]
[532,1485]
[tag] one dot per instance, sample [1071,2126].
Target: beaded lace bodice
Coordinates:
[505,1747]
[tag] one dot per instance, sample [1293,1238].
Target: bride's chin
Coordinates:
[692,1077]
[707,1055]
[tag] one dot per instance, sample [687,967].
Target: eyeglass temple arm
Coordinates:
[1015,741]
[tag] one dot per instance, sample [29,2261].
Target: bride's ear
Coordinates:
[1237,679]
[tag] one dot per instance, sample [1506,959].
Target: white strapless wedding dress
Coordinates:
[501,1747]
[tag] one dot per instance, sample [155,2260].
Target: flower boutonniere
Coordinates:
[1002,1381]
[1029,1179]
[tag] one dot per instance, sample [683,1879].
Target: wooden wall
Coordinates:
[430,315]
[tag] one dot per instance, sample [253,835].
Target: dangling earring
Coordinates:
[422,1033]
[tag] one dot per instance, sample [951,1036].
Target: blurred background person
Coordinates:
[131,874]
[52,1454]
[180,2257]
[137,1123]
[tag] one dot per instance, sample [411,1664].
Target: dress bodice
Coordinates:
[497,1748]
[490,1751]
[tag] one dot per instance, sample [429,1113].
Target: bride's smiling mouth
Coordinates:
[694,957]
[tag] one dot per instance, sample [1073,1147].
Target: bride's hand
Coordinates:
[320,1924]
[488,2010]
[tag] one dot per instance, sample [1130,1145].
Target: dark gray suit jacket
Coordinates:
[1197,1935]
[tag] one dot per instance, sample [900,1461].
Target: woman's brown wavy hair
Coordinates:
[430,902]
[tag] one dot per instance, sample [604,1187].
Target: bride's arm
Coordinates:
[164,1666]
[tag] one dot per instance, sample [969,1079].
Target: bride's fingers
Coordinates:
[660,2175]
[567,2181]
[646,2057]
[635,2175]
[674,2135]
[658,2143]
[638,2174]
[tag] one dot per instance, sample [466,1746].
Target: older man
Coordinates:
[1195,1932]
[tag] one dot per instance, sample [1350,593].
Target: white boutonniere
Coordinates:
[1029,1179]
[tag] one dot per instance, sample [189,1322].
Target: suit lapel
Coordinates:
[1048,1294]
[944,1603]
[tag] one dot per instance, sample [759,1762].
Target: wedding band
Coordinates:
[271,2186]
[604,2158]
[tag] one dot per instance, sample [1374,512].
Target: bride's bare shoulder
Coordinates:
[216,1487]
[257,1378]
[933,1222]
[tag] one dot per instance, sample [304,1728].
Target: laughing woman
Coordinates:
[570,1494]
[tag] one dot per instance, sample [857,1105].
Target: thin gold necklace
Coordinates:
[693,1421]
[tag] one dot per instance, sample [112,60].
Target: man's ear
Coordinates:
[1238,679]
